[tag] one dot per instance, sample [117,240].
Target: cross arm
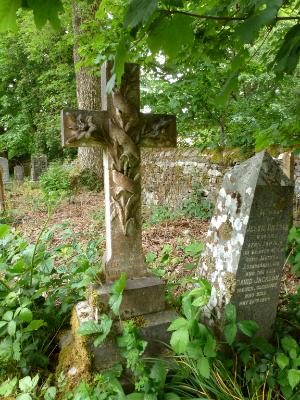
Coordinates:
[158,130]
[84,128]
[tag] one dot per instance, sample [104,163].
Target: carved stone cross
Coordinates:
[121,129]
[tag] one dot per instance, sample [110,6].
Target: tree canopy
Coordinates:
[228,69]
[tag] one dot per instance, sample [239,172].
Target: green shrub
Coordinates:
[39,284]
[160,213]
[198,206]
[57,178]
[89,179]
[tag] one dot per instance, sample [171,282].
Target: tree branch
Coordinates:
[220,18]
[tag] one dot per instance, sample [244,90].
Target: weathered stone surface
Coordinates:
[246,241]
[19,173]
[153,330]
[5,169]
[141,296]
[38,166]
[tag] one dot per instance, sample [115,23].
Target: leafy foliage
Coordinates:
[37,80]
[38,287]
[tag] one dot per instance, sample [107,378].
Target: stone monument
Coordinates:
[246,240]
[38,166]
[19,173]
[121,129]
[5,169]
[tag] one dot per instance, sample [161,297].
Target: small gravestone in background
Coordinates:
[19,173]
[2,193]
[245,249]
[38,166]
[5,169]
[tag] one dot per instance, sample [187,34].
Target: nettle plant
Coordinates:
[39,284]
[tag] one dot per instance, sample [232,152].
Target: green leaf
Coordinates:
[25,315]
[35,325]
[89,328]
[194,349]
[8,9]
[4,229]
[120,58]
[106,324]
[230,332]
[119,286]
[230,312]
[46,266]
[115,299]
[25,384]
[210,347]
[249,29]
[16,348]
[194,249]
[282,360]
[177,324]
[288,55]
[11,328]
[46,10]
[293,377]
[249,328]
[7,387]
[3,323]
[135,396]
[204,367]
[171,396]
[179,340]
[288,343]
[159,373]
[263,345]
[24,396]
[230,86]
[171,35]
[8,316]
[150,257]
[50,393]
[139,12]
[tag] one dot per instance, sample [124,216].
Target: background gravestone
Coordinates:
[246,241]
[5,169]
[19,173]
[38,166]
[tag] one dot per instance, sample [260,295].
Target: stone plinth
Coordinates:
[143,300]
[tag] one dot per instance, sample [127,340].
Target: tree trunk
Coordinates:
[88,87]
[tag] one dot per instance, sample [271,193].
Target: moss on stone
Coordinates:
[229,281]
[76,356]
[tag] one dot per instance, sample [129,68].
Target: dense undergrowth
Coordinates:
[40,283]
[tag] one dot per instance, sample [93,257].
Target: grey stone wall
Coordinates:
[169,175]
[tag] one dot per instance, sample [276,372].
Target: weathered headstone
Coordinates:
[121,129]
[5,169]
[246,241]
[38,166]
[19,173]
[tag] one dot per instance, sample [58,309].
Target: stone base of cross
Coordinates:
[121,129]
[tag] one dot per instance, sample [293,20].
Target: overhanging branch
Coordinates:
[221,18]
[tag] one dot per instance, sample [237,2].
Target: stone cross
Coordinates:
[121,129]
[245,250]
